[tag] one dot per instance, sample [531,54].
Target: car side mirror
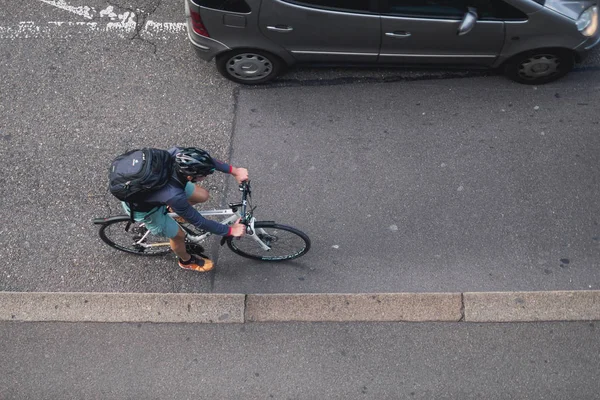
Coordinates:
[468,22]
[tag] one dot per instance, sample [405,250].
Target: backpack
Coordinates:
[137,173]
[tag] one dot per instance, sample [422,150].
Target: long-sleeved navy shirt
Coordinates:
[173,195]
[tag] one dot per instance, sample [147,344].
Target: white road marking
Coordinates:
[108,12]
[83,11]
[32,30]
[106,21]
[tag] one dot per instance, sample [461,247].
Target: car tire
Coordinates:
[249,66]
[539,66]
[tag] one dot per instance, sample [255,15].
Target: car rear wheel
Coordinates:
[249,66]
[540,66]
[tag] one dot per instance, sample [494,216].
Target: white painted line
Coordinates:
[57,29]
[105,21]
[127,23]
[83,11]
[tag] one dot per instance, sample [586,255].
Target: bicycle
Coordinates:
[264,240]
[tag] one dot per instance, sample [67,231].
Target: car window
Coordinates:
[454,9]
[336,5]
[503,10]
[426,8]
[239,6]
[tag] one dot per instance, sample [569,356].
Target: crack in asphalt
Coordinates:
[141,16]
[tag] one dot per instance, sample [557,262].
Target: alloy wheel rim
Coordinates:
[539,66]
[249,66]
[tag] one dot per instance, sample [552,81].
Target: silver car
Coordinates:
[532,41]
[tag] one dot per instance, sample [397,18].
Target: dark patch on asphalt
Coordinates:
[280,83]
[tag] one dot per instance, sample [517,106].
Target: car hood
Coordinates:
[569,8]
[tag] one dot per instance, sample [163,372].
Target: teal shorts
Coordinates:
[157,221]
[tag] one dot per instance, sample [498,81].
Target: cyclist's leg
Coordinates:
[178,245]
[186,260]
[159,223]
[196,193]
[156,220]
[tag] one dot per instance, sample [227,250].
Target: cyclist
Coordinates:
[191,166]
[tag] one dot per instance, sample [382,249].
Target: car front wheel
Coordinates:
[249,66]
[540,66]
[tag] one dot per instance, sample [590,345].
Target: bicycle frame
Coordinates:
[197,239]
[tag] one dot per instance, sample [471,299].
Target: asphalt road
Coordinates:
[405,180]
[472,184]
[299,361]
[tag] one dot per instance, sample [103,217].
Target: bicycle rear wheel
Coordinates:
[122,234]
[286,243]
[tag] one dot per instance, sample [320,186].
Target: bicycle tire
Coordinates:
[271,233]
[120,233]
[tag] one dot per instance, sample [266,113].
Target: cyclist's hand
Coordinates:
[240,174]
[237,229]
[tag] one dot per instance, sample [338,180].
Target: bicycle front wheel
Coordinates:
[285,242]
[133,237]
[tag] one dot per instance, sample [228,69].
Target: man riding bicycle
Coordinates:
[191,165]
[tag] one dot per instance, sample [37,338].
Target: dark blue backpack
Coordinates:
[137,173]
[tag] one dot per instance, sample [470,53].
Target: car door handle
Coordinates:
[280,28]
[399,35]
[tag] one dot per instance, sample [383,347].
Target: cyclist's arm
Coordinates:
[182,207]
[222,166]
[240,174]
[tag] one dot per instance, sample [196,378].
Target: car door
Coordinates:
[323,30]
[426,31]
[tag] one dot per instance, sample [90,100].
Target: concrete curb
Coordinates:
[304,307]
[121,307]
[532,306]
[417,307]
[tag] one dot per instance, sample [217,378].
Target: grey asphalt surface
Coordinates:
[464,197]
[299,361]
[472,184]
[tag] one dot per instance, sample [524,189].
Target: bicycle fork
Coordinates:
[250,232]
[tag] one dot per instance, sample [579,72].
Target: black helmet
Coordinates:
[193,162]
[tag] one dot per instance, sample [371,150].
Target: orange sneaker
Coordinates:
[197,263]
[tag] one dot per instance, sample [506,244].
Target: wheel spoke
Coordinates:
[285,243]
[133,238]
